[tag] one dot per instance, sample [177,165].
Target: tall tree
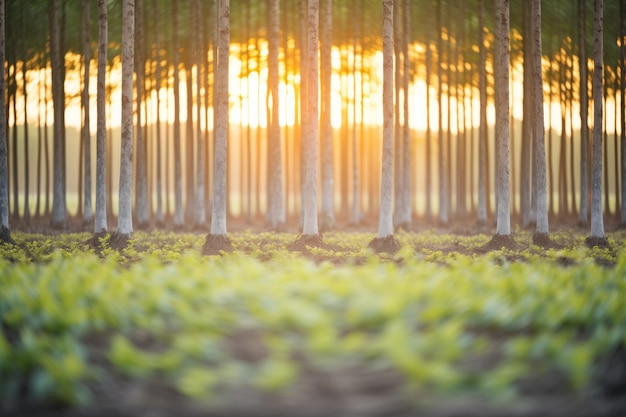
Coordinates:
[583,214]
[310,233]
[597,237]
[100,221]
[482,125]
[159,216]
[386,241]
[200,209]
[217,239]
[443,178]
[327,215]
[59,207]
[25,113]
[276,209]
[125,213]
[5,234]
[622,84]
[142,207]
[179,214]
[86,45]
[503,236]
[541,236]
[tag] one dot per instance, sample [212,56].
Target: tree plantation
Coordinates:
[312,207]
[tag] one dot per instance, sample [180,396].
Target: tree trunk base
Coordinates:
[499,242]
[119,241]
[599,242]
[58,224]
[304,242]
[543,240]
[387,244]
[95,241]
[217,245]
[5,236]
[145,226]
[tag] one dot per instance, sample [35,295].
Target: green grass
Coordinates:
[430,314]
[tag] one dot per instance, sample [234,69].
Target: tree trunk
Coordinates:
[276,200]
[100,221]
[538,128]
[59,208]
[622,111]
[529,109]
[218,214]
[443,188]
[159,217]
[26,138]
[86,41]
[125,213]
[404,214]
[597,221]
[583,214]
[179,215]
[4,168]
[328,182]
[482,127]
[200,218]
[311,137]
[429,210]
[142,212]
[503,226]
[385,221]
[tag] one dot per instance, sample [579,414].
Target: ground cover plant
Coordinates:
[441,327]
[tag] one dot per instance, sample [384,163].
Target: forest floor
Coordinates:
[346,392]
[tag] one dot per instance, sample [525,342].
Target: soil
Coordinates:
[304,243]
[543,240]
[498,242]
[217,244]
[387,244]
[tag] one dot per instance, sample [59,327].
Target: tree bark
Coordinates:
[328,181]
[597,221]
[179,215]
[142,211]
[583,214]
[482,127]
[503,226]
[100,221]
[59,208]
[218,215]
[443,180]
[276,210]
[87,211]
[4,167]
[200,134]
[125,213]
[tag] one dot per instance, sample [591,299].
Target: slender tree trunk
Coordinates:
[502,115]
[355,212]
[179,215]
[87,212]
[125,212]
[482,127]
[429,186]
[529,109]
[622,110]
[142,208]
[26,138]
[190,198]
[597,221]
[404,217]
[159,157]
[100,221]
[538,128]
[276,210]
[218,214]
[59,208]
[443,181]
[311,137]
[583,215]
[385,240]
[5,235]
[327,215]
[200,134]
[39,149]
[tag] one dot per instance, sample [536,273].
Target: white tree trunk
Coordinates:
[539,130]
[4,167]
[328,181]
[125,216]
[404,217]
[141,181]
[59,208]
[218,215]
[503,226]
[385,219]
[100,222]
[482,126]
[311,138]
[583,214]
[200,185]
[597,221]
[87,212]
[276,198]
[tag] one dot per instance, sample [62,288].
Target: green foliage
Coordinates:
[253,317]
